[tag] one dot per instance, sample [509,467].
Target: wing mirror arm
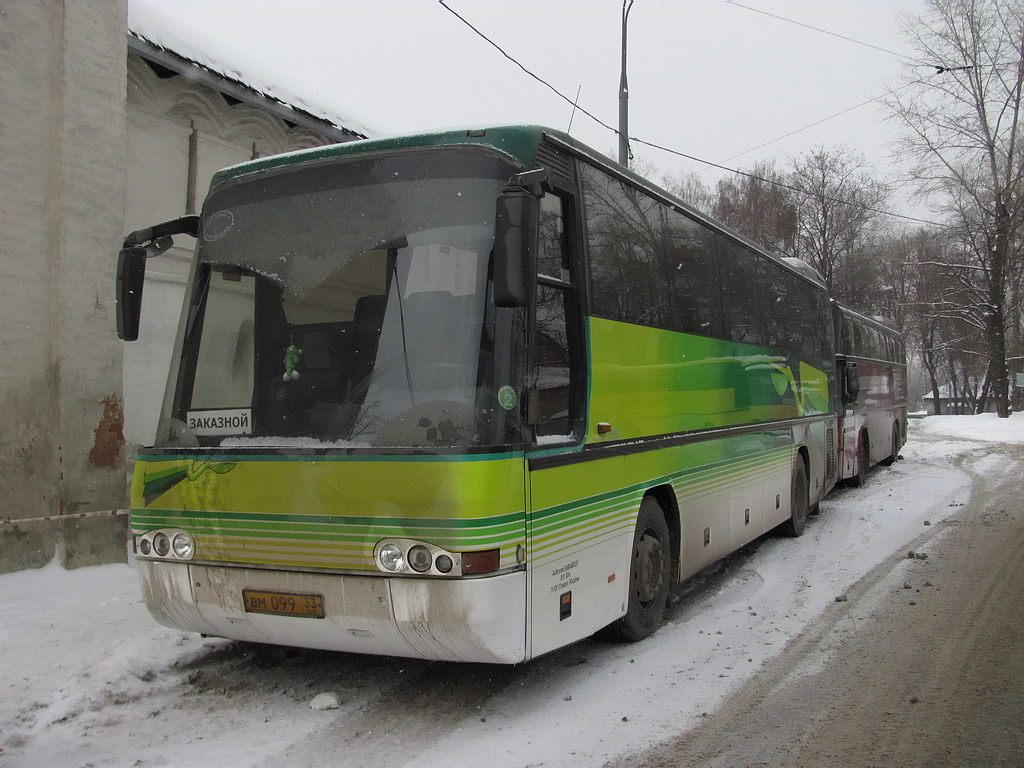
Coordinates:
[139,246]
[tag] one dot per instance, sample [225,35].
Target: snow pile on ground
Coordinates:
[89,679]
[986,427]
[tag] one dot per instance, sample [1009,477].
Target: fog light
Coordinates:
[444,564]
[145,547]
[419,558]
[182,545]
[391,557]
[161,544]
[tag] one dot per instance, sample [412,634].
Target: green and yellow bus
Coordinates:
[469,395]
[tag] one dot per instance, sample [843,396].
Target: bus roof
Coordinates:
[521,143]
[518,141]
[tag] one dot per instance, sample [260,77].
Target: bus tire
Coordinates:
[863,459]
[650,556]
[799,507]
[891,458]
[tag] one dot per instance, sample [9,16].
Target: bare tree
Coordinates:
[961,128]
[691,189]
[761,206]
[936,322]
[837,202]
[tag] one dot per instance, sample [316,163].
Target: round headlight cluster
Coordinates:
[172,545]
[414,557]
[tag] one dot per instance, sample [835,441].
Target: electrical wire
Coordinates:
[675,152]
[903,56]
[939,68]
[815,123]
[539,79]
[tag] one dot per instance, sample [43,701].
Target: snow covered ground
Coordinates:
[88,679]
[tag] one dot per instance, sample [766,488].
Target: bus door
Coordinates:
[561,525]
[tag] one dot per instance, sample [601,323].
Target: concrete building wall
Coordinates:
[96,142]
[62,137]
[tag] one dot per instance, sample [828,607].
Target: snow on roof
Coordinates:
[974,385]
[246,66]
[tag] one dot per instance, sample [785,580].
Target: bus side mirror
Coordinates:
[131,268]
[517,216]
[131,274]
[852,382]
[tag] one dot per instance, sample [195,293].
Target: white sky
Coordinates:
[707,77]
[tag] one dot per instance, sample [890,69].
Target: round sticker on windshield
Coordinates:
[507,397]
[218,225]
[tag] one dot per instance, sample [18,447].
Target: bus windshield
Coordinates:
[347,305]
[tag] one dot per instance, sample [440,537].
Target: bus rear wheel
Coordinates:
[648,575]
[863,459]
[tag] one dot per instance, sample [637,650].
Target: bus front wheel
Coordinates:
[648,575]
[799,505]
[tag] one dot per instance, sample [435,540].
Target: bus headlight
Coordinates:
[161,544]
[419,558]
[182,546]
[391,558]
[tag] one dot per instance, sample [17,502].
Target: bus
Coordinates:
[469,395]
[871,363]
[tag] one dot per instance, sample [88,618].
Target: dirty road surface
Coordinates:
[921,665]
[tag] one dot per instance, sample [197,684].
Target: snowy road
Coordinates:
[88,679]
[923,665]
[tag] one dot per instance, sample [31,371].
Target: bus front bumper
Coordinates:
[480,620]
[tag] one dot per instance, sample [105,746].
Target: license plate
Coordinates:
[283,604]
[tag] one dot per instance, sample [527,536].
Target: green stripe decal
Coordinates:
[283,513]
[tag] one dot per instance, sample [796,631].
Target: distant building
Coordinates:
[102,131]
[957,403]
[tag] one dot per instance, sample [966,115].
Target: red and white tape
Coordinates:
[74,516]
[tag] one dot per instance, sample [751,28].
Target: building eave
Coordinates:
[236,89]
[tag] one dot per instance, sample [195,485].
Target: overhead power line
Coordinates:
[939,69]
[539,79]
[903,56]
[669,150]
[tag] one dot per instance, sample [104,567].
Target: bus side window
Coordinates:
[554,377]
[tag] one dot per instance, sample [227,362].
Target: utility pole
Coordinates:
[624,93]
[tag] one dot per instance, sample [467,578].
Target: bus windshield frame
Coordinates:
[348,305]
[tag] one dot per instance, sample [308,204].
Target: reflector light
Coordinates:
[483,561]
